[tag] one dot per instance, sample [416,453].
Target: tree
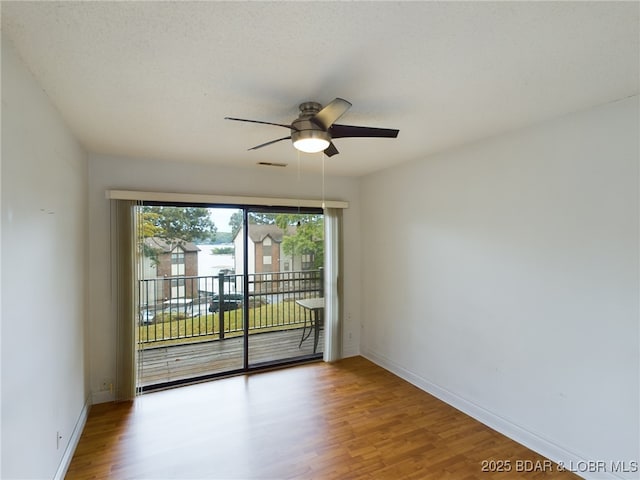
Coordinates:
[150,224]
[187,224]
[224,237]
[263,218]
[308,238]
[235,222]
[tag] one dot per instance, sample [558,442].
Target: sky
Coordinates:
[221,216]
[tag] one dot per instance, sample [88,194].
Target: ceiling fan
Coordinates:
[314,128]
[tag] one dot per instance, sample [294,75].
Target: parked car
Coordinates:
[179,308]
[231,301]
[147,317]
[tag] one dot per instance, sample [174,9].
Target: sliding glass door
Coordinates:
[224,289]
[285,252]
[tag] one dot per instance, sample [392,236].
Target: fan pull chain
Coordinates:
[323,158]
[299,189]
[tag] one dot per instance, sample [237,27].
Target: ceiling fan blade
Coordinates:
[332,112]
[344,131]
[331,150]
[259,121]
[269,143]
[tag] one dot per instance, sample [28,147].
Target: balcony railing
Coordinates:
[183,309]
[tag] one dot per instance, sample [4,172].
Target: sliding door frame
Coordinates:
[247,368]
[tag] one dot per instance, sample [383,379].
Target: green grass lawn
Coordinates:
[171,330]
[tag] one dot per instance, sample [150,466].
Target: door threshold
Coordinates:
[256,368]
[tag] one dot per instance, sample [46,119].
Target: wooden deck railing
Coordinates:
[180,309]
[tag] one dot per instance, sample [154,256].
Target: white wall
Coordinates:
[126,173]
[44,233]
[505,281]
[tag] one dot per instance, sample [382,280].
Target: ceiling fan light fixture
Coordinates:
[310,141]
[311,145]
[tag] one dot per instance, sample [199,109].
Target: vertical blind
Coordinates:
[333,284]
[123,290]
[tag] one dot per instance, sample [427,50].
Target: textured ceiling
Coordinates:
[156,79]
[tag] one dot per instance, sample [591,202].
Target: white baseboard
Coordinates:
[73,441]
[529,439]
[350,351]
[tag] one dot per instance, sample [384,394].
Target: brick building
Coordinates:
[174,262]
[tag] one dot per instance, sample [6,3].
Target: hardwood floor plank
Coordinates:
[348,420]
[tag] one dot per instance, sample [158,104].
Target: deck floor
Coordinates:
[187,361]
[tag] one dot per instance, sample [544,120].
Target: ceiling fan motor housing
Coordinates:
[304,127]
[308,129]
[309,109]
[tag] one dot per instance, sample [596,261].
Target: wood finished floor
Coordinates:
[348,420]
